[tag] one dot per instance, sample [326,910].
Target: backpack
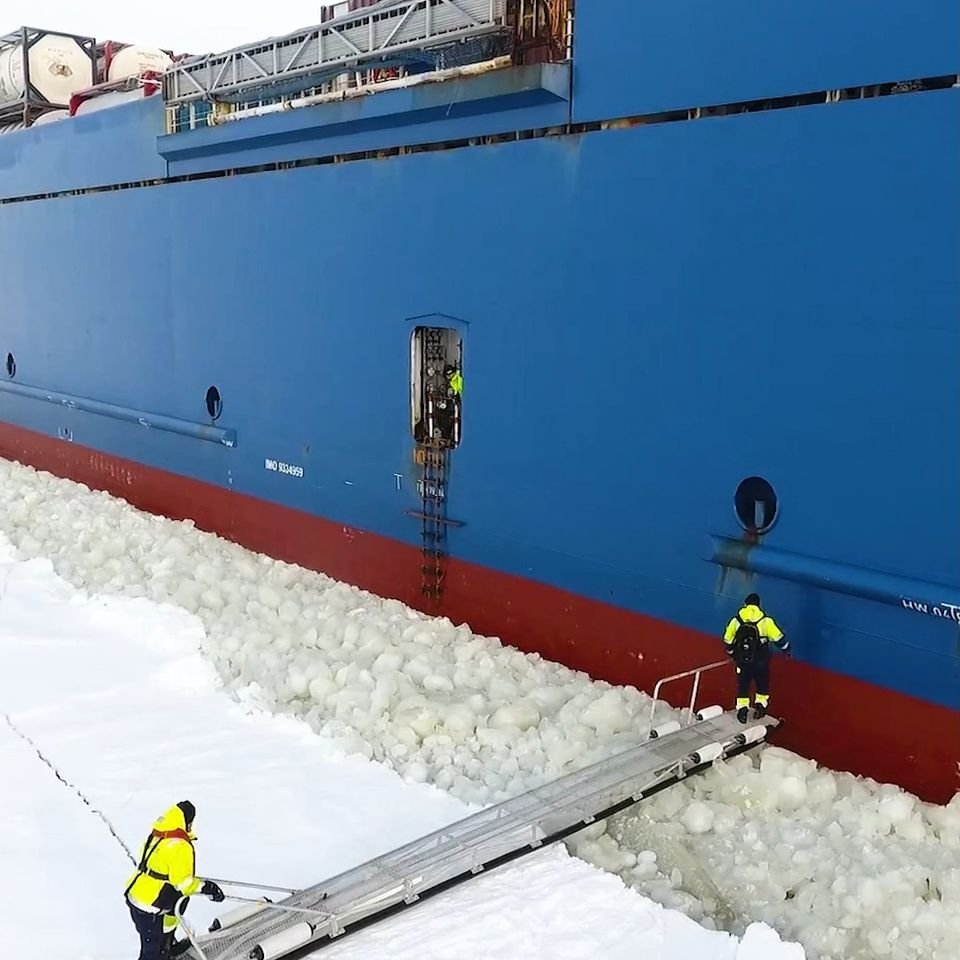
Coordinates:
[746,642]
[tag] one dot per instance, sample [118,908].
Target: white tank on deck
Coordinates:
[51,116]
[133,60]
[110,99]
[59,67]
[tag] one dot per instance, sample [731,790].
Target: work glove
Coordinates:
[211,890]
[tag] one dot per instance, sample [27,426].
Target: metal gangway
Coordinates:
[310,919]
[367,36]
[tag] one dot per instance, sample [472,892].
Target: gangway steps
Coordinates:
[497,835]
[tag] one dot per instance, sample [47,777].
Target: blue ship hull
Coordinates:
[654,305]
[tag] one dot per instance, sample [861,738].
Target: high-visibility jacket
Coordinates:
[456,383]
[165,872]
[766,627]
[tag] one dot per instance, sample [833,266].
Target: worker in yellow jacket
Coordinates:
[164,875]
[748,638]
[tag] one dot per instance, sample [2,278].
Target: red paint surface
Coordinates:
[843,723]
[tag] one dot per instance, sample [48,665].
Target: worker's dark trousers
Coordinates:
[758,672]
[150,928]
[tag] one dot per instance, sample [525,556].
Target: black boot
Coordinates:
[742,714]
[759,711]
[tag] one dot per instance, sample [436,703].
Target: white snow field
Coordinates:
[849,868]
[109,713]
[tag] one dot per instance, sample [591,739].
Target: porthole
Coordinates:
[11,366]
[214,403]
[756,505]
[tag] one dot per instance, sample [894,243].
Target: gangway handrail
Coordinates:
[178,910]
[483,841]
[696,674]
[253,886]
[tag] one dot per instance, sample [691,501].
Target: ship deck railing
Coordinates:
[362,37]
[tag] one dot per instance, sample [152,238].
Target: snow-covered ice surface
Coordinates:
[114,695]
[848,867]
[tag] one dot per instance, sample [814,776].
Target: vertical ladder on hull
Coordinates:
[433,530]
[436,429]
[433,454]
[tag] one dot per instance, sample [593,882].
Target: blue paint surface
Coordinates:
[649,316]
[638,58]
[95,149]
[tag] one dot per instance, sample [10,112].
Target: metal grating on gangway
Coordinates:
[312,918]
[372,34]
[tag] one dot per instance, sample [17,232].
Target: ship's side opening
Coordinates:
[11,366]
[436,393]
[436,386]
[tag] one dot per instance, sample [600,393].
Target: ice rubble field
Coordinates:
[95,685]
[849,868]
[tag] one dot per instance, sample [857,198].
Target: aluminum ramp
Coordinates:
[312,918]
